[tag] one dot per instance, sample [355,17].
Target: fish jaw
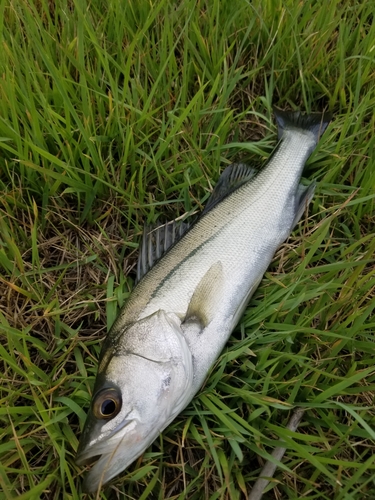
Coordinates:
[153,360]
[116,454]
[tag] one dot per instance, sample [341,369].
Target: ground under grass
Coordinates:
[116,114]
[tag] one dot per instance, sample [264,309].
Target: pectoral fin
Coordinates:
[206,297]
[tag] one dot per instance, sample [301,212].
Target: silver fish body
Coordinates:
[182,312]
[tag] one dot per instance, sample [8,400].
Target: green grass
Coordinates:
[116,114]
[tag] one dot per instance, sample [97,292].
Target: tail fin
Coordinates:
[315,123]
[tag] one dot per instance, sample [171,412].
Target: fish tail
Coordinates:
[289,120]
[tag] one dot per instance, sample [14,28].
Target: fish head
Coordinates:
[144,380]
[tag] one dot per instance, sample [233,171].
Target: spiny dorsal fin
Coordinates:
[232,178]
[156,241]
[206,297]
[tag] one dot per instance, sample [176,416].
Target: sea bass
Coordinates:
[194,284]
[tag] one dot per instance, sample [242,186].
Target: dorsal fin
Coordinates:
[156,241]
[231,179]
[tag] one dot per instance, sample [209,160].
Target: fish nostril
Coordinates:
[167,382]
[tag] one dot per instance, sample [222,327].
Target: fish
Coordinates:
[194,283]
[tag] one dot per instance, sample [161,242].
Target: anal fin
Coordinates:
[303,197]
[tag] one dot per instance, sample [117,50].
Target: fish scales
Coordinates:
[182,312]
[258,203]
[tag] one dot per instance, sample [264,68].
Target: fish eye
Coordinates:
[107,404]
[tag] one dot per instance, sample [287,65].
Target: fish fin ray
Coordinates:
[314,122]
[204,302]
[155,243]
[232,178]
[304,196]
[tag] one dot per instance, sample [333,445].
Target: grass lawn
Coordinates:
[116,113]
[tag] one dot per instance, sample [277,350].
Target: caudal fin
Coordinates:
[289,120]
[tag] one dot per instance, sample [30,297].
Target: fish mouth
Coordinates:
[87,457]
[101,472]
[114,454]
[89,453]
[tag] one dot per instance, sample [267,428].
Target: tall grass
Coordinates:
[116,114]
